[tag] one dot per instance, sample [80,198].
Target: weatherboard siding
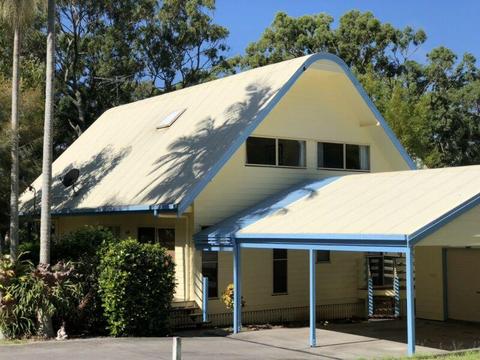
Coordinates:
[128,225]
[308,112]
[336,280]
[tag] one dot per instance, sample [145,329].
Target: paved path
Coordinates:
[281,343]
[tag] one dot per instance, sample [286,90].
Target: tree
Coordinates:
[17,13]
[45,219]
[434,108]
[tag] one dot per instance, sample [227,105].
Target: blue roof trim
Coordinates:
[324,237]
[443,220]
[195,191]
[301,246]
[106,210]
[225,229]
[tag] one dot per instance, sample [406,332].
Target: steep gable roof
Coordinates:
[130,161]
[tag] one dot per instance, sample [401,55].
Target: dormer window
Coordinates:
[343,156]
[276,152]
[168,120]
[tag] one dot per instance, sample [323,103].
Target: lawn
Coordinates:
[475,355]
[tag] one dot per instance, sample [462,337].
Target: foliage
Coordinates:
[434,108]
[83,247]
[27,291]
[136,286]
[108,53]
[227,297]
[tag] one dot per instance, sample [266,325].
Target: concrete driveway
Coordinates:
[336,341]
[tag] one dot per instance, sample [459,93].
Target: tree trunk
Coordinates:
[14,146]
[45,219]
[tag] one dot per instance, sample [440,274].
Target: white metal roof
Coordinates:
[394,206]
[128,163]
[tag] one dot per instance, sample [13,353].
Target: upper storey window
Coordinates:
[276,152]
[343,156]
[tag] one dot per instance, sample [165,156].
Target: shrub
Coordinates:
[83,247]
[136,286]
[29,295]
[227,297]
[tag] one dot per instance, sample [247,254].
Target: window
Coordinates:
[168,120]
[279,271]
[166,238]
[210,270]
[276,152]
[343,156]
[357,157]
[323,256]
[291,153]
[261,151]
[330,155]
[146,235]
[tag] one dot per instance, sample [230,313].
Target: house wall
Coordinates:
[320,107]
[128,224]
[429,282]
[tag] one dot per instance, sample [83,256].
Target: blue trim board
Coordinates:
[193,193]
[443,220]
[302,246]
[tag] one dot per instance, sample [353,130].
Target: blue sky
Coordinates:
[455,23]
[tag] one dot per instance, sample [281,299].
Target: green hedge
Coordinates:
[136,286]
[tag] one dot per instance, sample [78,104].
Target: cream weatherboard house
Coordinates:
[286,180]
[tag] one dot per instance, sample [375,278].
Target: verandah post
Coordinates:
[205,299]
[410,301]
[313,303]
[237,291]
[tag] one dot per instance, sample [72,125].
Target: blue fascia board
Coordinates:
[304,246]
[443,220]
[109,210]
[197,189]
[319,236]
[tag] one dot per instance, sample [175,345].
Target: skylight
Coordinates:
[170,118]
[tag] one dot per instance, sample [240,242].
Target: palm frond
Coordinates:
[19,12]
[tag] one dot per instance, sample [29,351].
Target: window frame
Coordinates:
[344,146]
[285,259]
[276,153]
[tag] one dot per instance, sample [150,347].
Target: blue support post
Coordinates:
[205,299]
[313,303]
[410,302]
[396,289]
[369,289]
[237,291]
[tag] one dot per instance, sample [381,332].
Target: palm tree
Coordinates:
[45,219]
[18,14]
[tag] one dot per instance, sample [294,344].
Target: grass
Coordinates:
[469,355]
[13,342]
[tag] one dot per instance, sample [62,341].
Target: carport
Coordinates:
[380,212]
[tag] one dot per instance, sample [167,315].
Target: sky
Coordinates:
[454,24]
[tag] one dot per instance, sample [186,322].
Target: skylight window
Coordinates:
[170,119]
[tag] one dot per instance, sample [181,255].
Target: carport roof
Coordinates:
[394,209]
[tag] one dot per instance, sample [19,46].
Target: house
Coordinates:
[292,166]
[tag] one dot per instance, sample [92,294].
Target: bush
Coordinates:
[29,295]
[83,247]
[136,286]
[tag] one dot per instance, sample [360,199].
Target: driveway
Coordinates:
[335,342]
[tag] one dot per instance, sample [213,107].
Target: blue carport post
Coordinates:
[313,305]
[205,299]
[237,291]
[410,302]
